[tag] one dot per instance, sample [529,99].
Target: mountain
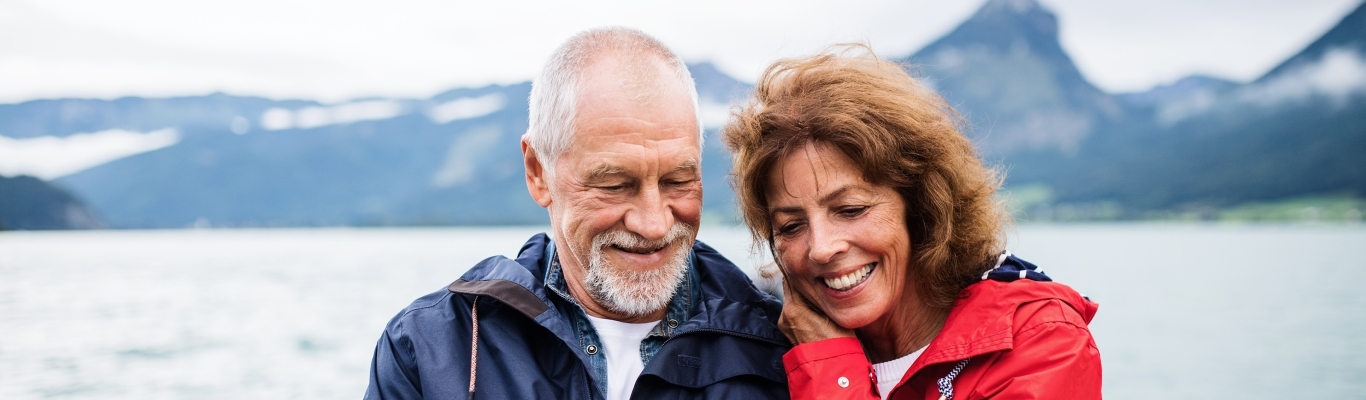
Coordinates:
[28,203]
[63,117]
[243,161]
[1201,143]
[1207,143]
[451,159]
[1348,34]
[1191,87]
[1005,70]
[717,92]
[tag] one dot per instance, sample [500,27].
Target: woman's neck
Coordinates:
[903,331]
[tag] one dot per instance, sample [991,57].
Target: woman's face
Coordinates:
[842,242]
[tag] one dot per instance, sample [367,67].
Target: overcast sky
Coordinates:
[334,50]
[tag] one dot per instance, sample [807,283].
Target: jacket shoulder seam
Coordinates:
[1049,324]
[434,303]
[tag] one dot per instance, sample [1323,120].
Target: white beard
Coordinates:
[637,293]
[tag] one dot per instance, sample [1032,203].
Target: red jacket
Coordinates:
[1021,340]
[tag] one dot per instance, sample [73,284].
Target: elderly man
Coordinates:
[623,303]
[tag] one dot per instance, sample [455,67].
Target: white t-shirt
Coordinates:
[621,346]
[889,373]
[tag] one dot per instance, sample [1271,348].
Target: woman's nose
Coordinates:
[826,242]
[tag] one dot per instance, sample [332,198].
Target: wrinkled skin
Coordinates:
[632,166]
[829,224]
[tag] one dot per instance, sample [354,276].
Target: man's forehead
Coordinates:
[643,84]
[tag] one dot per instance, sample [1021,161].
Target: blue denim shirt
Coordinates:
[678,312]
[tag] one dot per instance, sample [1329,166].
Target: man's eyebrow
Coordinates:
[600,171]
[604,170]
[689,165]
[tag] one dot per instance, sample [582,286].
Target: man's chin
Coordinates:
[626,284]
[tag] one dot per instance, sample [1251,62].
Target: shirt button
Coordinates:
[844,382]
[592,349]
[673,323]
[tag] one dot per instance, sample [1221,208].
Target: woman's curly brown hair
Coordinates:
[900,134]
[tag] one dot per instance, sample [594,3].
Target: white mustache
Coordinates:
[632,241]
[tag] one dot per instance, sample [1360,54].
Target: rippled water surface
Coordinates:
[1187,311]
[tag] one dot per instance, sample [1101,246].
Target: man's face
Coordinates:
[625,198]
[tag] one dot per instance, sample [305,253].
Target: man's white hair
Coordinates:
[555,93]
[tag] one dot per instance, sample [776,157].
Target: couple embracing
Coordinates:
[879,214]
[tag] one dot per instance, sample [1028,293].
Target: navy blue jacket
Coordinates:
[729,347]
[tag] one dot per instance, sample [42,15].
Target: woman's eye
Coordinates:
[850,212]
[788,229]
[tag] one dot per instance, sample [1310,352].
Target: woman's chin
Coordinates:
[851,320]
[849,308]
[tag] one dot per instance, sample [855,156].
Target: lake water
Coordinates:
[1187,311]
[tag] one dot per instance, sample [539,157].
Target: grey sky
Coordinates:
[334,50]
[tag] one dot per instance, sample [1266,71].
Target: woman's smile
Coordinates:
[841,240]
[847,281]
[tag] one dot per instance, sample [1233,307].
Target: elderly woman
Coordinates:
[882,219]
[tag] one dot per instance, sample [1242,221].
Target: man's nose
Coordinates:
[651,217]
[827,241]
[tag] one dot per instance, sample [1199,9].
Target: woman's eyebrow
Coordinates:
[837,193]
[826,199]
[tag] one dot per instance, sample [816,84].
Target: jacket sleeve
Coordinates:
[393,372]
[830,369]
[1054,357]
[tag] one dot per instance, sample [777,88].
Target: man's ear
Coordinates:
[537,178]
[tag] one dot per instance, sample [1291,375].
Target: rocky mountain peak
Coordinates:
[1015,18]
[1348,34]
[1006,66]
[1010,6]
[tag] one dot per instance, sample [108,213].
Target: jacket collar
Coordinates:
[724,299]
[724,303]
[516,283]
[511,282]
[728,302]
[981,320]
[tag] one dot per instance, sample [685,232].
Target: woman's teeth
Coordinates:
[849,280]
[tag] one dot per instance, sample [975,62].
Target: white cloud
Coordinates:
[276,119]
[462,159]
[713,114]
[337,50]
[239,125]
[1132,45]
[51,157]
[1338,75]
[467,107]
